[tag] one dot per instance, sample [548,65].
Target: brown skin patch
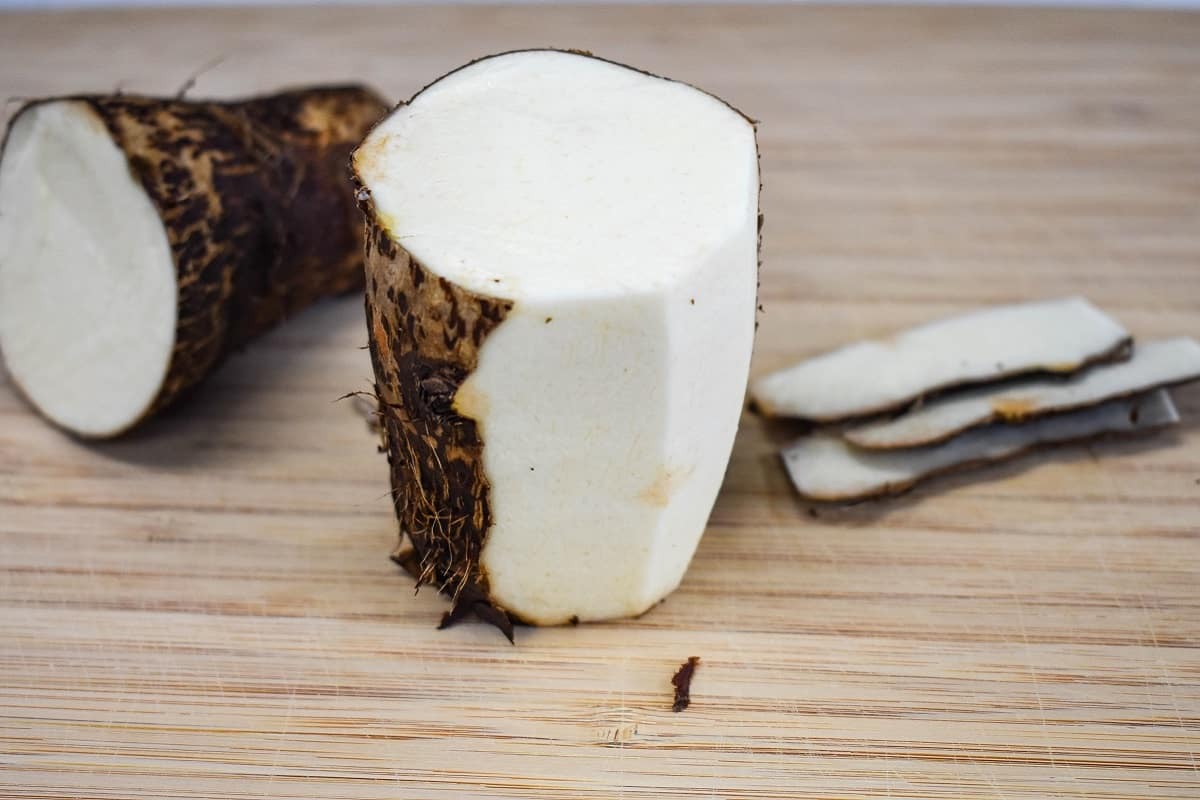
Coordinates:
[255,204]
[1014,409]
[367,157]
[425,335]
[470,402]
[658,492]
[257,210]
[666,482]
[1064,367]
[381,339]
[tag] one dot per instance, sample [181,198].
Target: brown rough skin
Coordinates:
[424,334]
[257,208]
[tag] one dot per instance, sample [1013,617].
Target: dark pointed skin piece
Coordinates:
[682,681]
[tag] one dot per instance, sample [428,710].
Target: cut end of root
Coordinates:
[87,280]
[578,144]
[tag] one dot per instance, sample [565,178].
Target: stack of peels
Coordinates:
[967,390]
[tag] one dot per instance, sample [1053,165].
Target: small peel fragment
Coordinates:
[824,467]
[1168,362]
[682,681]
[984,345]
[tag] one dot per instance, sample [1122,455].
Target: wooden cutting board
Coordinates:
[206,609]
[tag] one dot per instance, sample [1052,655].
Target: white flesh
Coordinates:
[87,282]
[874,376]
[619,212]
[824,467]
[1163,363]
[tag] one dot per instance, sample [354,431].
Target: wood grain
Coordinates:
[206,609]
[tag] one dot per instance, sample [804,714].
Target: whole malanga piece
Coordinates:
[142,239]
[561,266]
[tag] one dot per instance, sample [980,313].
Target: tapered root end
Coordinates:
[143,240]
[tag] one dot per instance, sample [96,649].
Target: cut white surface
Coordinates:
[598,179]
[87,281]
[1153,364]
[618,211]
[991,343]
[824,467]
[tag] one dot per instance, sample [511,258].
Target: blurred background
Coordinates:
[52,4]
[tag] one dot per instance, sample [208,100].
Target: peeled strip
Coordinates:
[1153,364]
[562,256]
[875,376]
[824,467]
[143,240]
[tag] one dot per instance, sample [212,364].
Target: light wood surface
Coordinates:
[206,609]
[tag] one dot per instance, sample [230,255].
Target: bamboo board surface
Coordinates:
[206,608]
